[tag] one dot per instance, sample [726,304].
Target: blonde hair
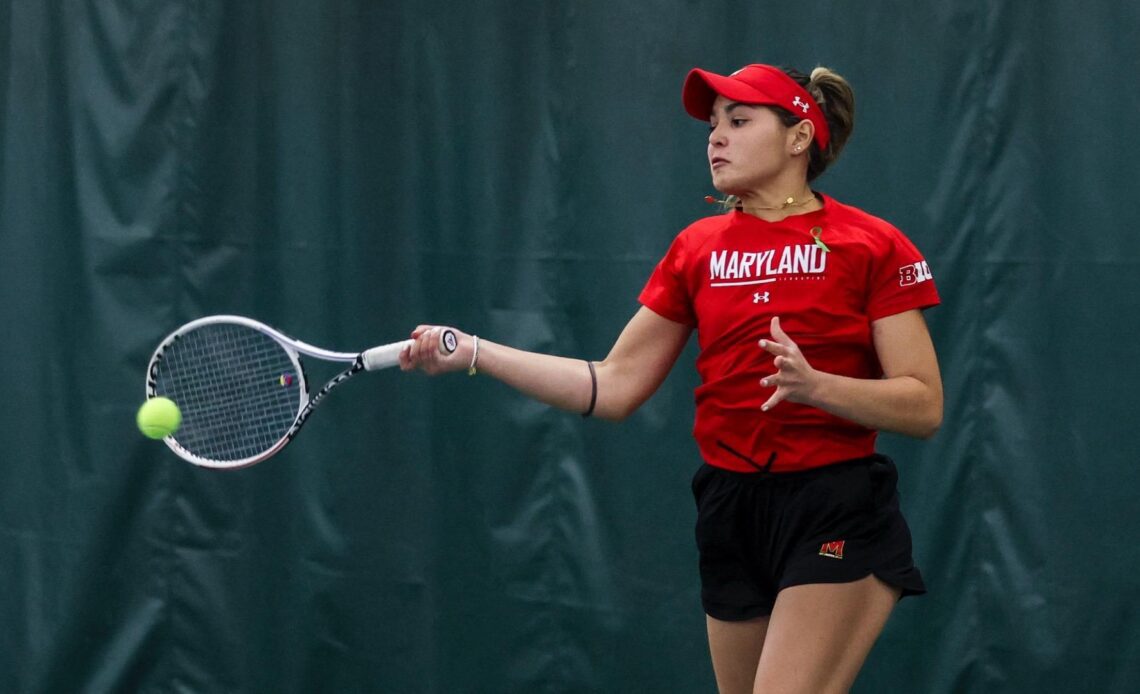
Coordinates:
[837,101]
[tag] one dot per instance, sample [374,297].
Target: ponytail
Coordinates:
[837,101]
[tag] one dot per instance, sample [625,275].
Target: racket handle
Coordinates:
[386,356]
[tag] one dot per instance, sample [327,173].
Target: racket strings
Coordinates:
[238,390]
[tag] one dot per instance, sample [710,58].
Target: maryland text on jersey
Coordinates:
[735,268]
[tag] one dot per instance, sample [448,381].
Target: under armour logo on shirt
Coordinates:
[758,297]
[799,102]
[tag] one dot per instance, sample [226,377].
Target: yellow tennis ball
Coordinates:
[158,418]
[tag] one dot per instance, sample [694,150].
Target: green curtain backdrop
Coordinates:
[344,170]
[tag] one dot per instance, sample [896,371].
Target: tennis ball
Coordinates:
[158,418]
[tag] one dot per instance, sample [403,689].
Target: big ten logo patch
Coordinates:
[914,274]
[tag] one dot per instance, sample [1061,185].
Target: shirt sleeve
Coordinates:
[901,278]
[666,293]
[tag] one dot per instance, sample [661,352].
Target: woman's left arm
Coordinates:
[906,400]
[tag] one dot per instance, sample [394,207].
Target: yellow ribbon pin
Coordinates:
[816,232]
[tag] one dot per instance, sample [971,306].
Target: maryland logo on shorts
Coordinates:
[832,549]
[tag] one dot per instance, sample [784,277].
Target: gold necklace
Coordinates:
[790,202]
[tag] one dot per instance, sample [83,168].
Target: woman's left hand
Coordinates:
[795,379]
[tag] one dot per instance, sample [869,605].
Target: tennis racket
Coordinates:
[242,388]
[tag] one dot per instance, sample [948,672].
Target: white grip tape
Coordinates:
[384,356]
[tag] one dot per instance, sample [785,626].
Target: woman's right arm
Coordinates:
[635,367]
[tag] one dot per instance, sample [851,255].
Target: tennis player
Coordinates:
[809,317]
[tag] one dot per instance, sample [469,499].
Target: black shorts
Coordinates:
[759,533]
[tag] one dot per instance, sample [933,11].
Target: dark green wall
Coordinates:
[344,170]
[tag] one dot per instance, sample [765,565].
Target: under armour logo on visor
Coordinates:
[800,102]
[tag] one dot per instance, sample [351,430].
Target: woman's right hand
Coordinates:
[428,354]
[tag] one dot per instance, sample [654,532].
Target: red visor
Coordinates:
[753,84]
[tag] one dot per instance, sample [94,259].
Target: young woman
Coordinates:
[808,314]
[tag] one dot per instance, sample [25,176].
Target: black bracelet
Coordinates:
[593,390]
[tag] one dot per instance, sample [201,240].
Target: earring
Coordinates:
[799,147]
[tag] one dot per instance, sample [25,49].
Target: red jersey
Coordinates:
[827,274]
